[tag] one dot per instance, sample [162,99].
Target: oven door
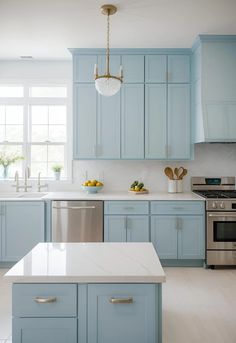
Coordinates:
[221,230]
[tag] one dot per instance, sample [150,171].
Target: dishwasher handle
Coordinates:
[74,207]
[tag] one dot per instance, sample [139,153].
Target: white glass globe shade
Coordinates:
[107,86]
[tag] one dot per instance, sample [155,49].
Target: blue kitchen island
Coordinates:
[87,293]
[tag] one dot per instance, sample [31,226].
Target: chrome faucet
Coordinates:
[39,183]
[27,176]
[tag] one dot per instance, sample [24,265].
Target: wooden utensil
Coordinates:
[176,172]
[169,173]
[184,172]
[180,172]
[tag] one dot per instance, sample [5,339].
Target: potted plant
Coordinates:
[57,171]
[6,160]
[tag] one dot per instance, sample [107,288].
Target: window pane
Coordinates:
[2,133]
[39,133]
[14,114]
[48,92]
[39,114]
[39,153]
[57,133]
[2,115]
[56,153]
[14,133]
[37,167]
[57,115]
[11,91]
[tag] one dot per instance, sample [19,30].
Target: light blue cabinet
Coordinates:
[46,330]
[178,69]
[23,226]
[155,69]
[179,121]
[85,121]
[108,127]
[131,322]
[155,121]
[115,62]
[126,228]
[132,121]
[133,68]
[178,229]
[84,68]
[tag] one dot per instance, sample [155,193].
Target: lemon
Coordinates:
[98,184]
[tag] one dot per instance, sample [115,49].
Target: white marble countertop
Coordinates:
[122,196]
[89,263]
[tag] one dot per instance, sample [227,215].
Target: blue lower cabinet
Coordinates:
[123,313]
[164,236]
[23,226]
[191,237]
[126,229]
[44,330]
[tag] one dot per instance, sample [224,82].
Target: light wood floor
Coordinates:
[199,306]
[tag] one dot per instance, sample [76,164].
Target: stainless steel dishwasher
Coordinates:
[77,221]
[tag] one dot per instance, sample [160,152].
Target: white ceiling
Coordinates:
[46,28]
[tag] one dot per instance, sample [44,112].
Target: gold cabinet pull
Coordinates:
[128,300]
[45,300]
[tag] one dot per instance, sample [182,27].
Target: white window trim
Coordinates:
[26,100]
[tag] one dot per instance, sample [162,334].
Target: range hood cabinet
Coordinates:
[214,89]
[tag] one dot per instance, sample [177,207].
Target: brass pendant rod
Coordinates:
[108,48]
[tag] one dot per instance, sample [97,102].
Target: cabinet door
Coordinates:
[108,127]
[164,236]
[46,330]
[137,228]
[178,69]
[114,65]
[115,229]
[178,121]
[191,237]
[133,322]
[132,119]
[84,68]
[155,121]
[133,68]
[1,224]
[23,228]
[85,121]
[155,68]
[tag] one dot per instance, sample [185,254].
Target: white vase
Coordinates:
[172,186]
[57,176]
[179,186]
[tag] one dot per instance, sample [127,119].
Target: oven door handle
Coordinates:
[222,215]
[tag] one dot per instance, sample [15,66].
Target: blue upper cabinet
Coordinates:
[132,121]
[108,127]
[84,68]
[178,69]
[155,121]
[133,68]
[115,62]
[179,121]
[85,121]
[155,68]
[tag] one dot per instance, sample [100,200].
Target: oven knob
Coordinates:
[222,205]
[214,205]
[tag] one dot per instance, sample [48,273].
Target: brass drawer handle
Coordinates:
[128,208]
[45,300]
[121,300]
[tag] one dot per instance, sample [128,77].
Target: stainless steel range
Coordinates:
[220,197]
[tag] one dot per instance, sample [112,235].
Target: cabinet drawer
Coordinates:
[177,207]
[44,300]
[126,207]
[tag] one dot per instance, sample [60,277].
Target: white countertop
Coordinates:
[89,263]
[122,196]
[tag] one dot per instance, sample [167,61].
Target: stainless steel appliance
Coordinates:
[77,221]
[220,197]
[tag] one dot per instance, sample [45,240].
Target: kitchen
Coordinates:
[109,149]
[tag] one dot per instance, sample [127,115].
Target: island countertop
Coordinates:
[89,263]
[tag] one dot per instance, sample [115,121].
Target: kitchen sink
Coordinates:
[22,195]
[8,195]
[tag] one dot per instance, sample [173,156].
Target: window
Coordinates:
[34,124]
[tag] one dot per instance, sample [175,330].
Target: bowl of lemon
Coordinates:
[92,186]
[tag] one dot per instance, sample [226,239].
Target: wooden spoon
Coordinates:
[169,173]
[184,172]
[176,172]
[180,171]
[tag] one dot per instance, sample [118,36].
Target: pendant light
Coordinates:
[108,84]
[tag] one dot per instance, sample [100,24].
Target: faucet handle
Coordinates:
[28,171]
[16,175]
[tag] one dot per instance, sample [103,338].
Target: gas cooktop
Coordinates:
[217,194]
